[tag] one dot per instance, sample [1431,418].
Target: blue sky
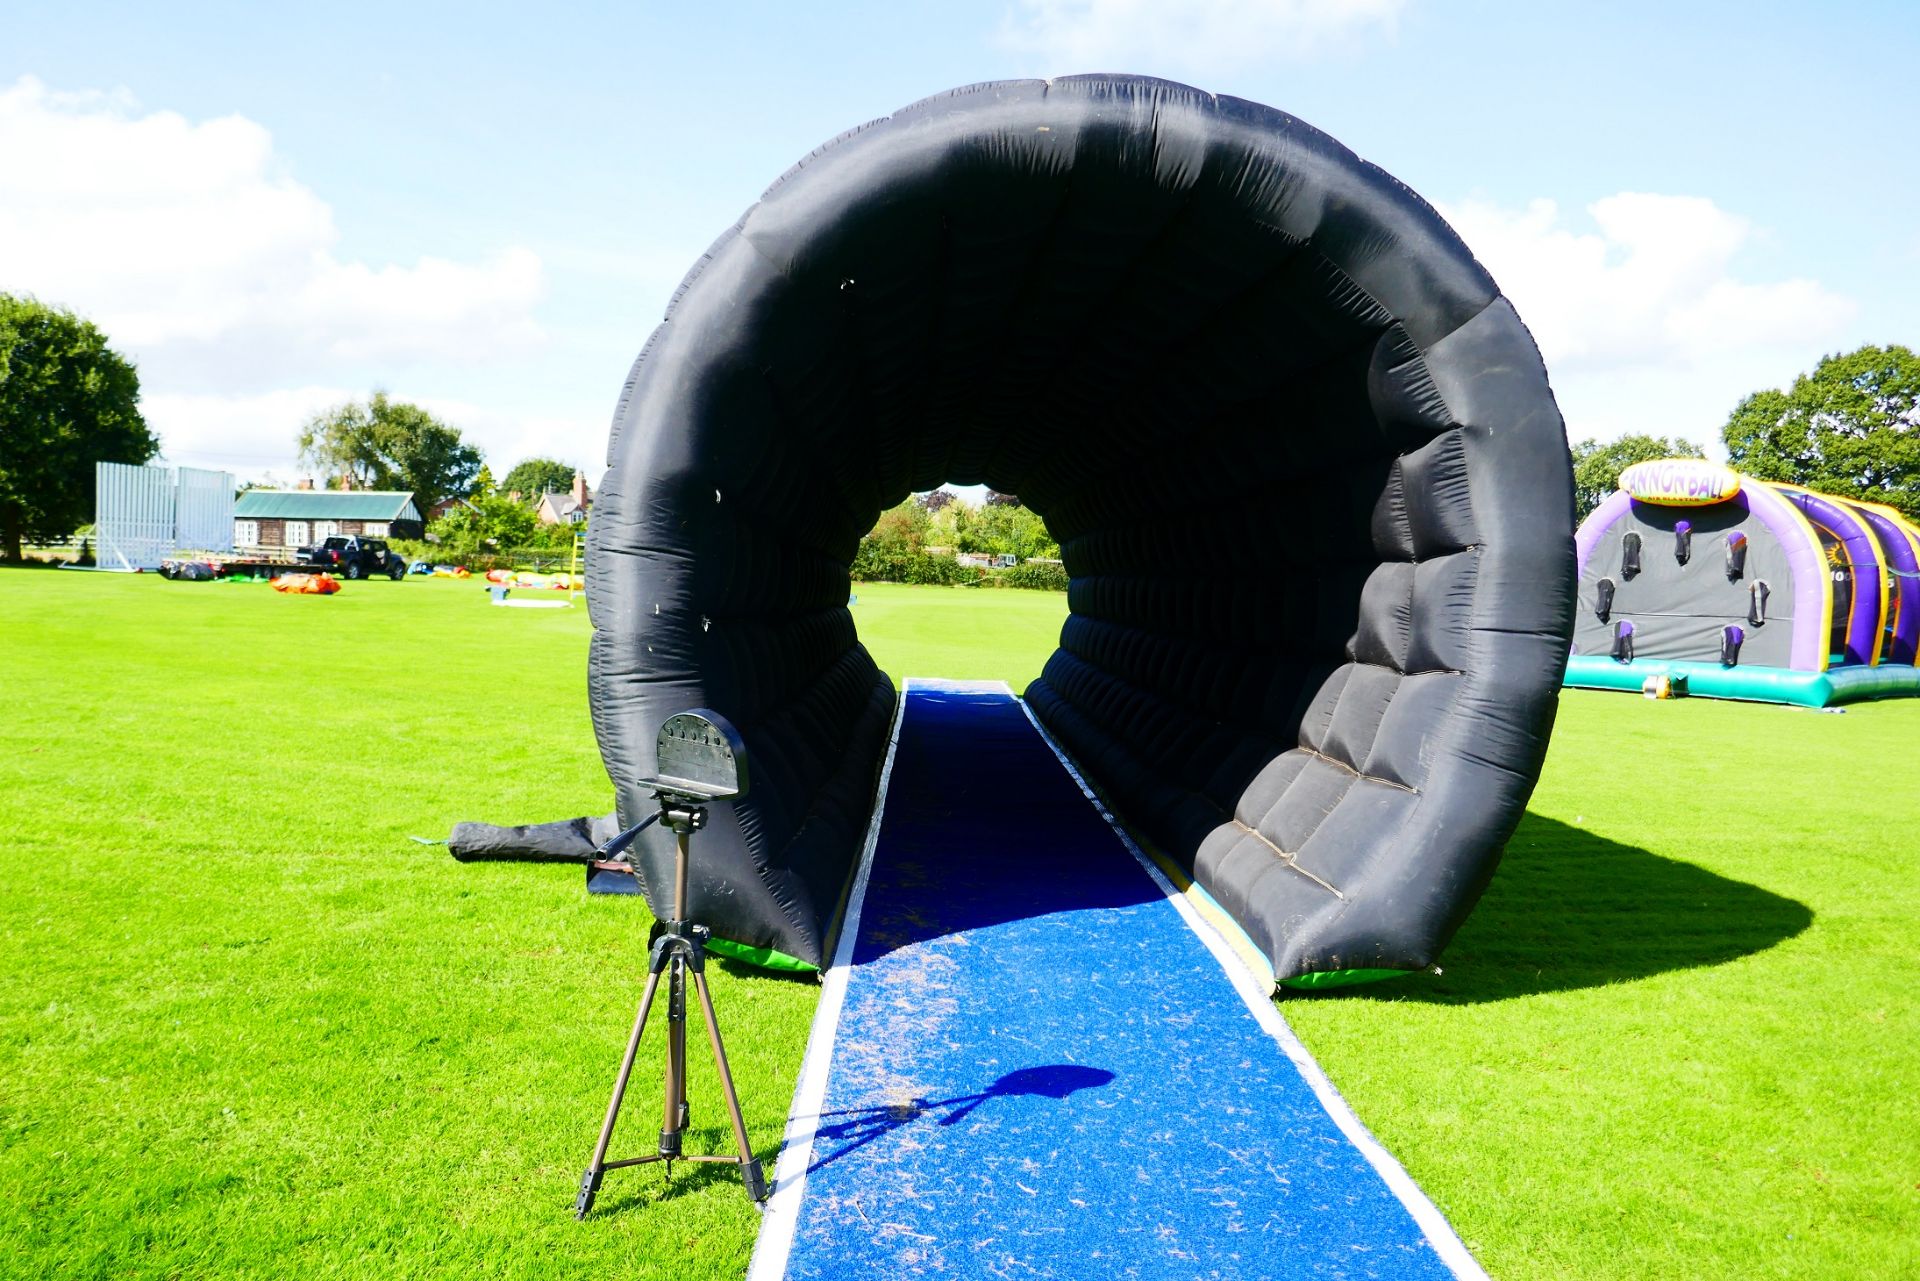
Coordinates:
[485,207]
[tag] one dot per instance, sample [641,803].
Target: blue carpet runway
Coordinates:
[1031,1061]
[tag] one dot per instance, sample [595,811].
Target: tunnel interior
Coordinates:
[1308,480]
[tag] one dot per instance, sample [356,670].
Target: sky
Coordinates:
[484,208]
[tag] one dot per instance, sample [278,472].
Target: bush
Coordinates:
[1035,575]
[491,527]
[885,561]
[544,559]
[941,571]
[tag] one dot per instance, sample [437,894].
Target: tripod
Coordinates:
[679,952]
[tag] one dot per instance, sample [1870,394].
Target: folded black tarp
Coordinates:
[572,840]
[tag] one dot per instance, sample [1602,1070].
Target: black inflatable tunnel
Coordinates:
[1308,479]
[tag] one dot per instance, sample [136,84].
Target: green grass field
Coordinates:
[250,1030]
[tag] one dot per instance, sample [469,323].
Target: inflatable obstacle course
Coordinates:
[1310,485]
[1030,1058]
[1742,588]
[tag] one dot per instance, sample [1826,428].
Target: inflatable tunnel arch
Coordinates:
[1309,482]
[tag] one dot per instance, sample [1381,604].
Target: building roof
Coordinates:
[325,504]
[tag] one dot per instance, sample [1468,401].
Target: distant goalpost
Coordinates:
[143,514]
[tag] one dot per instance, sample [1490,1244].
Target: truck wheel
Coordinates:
[354,570]
[397,571]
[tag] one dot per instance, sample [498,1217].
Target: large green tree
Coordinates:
[67,401]
[536,476]
[488,523]
[1009,528]
[391,444]
[1851,427]
[1597,465]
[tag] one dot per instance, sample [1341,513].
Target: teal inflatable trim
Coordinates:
[1752,684]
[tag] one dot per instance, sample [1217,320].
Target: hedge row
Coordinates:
[543,559]
[874,564]
[1035,575]
[870,565]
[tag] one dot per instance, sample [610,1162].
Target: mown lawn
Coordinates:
[247,1028]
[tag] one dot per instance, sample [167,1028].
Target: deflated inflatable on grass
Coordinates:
[306,584]
[1308,479]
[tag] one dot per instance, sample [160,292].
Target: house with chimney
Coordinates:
[568,508]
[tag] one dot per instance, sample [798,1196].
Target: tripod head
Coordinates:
[699,757]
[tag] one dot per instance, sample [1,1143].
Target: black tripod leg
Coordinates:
[673,1114]
[750,1172]
[596,1169]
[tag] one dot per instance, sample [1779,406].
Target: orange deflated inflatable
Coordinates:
[306,584]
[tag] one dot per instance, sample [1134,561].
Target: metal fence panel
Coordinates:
[203,510]
[142,514]
[133,515]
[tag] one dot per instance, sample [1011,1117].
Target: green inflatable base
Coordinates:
[1322,979]
[1751,684]
[764,957]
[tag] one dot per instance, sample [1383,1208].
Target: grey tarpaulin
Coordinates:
[1309,482]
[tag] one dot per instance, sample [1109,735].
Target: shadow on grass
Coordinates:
[639,1187]
[743,970]
[1569,909]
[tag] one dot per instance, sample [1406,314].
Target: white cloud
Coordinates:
[1190,36]
[508,436]
[1654,282]
[191,246]
[1646,321]
[251,436]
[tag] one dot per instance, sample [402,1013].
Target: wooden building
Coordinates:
[271,519]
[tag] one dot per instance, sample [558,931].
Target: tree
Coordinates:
[953,526]
[997,499]
[901,530]
[1597,467]
[390,444]
[898,536]
[895,550]
[67,401]
[1851,427]
[935,500]
[489,523]
[537,476]
[1010,529]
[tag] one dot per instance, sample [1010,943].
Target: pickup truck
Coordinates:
[354,557]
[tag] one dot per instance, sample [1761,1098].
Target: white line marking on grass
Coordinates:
[782,1219]
[1439,1233]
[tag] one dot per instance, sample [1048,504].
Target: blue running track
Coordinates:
[1036,1063]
